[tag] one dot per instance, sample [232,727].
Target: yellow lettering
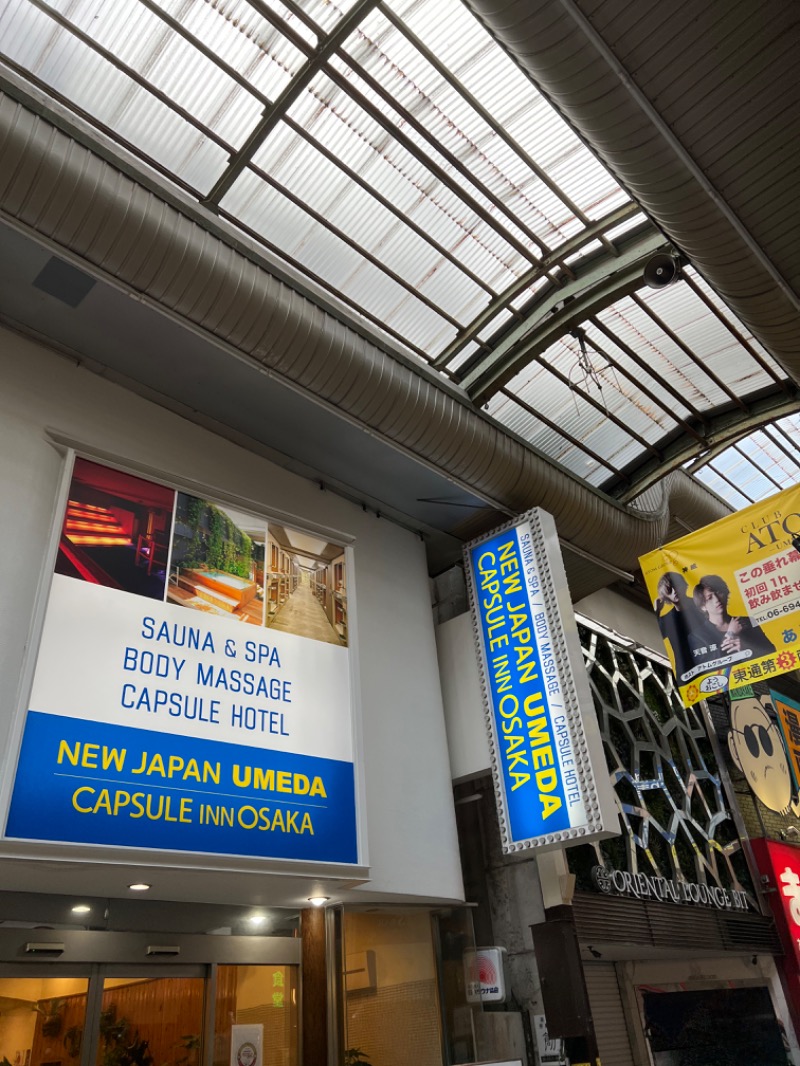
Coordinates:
[64,751]
[546,780]
[542,757]
[502,704]
[76,793]
[264,779]
[90,756]
[175,765]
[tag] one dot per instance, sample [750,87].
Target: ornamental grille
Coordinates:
[674,816]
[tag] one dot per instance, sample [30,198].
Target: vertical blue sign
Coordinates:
[531,742]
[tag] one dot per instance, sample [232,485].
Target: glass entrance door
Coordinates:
[150,1021]
[112,1015]
[42,1020]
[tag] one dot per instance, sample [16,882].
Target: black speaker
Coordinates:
[661,270]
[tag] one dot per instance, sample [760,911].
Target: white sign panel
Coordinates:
[247,1045]
[485,975]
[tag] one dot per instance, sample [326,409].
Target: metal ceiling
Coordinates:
[392,162]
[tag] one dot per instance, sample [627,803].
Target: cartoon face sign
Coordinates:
[757,749]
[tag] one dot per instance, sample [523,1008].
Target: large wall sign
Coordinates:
[192,686]
[727,598]
[543,732]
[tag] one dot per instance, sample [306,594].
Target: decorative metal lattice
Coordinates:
[674,815]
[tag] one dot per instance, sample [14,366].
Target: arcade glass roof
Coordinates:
[393,154]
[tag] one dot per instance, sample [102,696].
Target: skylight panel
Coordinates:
[396,174]
[727,315]
[325,13]
[243,39]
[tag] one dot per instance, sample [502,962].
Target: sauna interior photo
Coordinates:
[400,465]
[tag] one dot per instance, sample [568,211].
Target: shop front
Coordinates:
[200,701]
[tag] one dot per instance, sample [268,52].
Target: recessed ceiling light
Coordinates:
[317,901]
[81,908]
[257,919]
[140,886]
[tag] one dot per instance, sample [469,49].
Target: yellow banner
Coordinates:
[727,598]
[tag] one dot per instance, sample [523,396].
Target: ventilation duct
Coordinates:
[56,188]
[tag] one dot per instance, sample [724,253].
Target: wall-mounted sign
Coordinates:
[550,1048]
[788,712]
[485,975]
[247,1045]
[664,890]
[727,598]
[780,868]
[758,748]
[192,686]
[543,732]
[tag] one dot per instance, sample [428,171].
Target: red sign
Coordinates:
[780,863]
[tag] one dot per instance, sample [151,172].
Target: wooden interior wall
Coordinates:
[164,1012]
[55,1047]
[167,1013]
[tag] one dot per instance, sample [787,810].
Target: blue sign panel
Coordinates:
[532,742]
[81,781]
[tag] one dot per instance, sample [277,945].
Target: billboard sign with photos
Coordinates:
[192,687]
[551,779]
[727,598]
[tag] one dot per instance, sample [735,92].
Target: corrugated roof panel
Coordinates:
[635,380]
[623,227]
[419,88]
[576,414]
[463,45]
[583,388]
[723,488]
[663,358]
[283,225]
[464,185]
[288,228]
[729,316]
[742,476]
[324,13]
[303,27]
[469,349]
[417,324]
[708,338]
[757,466]
[72,68]
[244,40]
[144,43]
[346,130]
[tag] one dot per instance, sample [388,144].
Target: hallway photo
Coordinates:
[306,587]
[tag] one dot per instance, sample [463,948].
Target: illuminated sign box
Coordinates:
[550,774]
[192,685]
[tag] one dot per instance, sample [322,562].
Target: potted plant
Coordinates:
[354,1056]
[52,1012]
